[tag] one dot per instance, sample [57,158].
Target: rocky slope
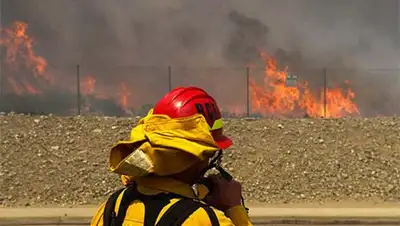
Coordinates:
[47,160]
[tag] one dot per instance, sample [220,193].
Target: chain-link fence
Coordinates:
[246,91]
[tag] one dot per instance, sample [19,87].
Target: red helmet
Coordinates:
[188,101]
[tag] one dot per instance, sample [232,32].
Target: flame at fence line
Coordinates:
[124,96]
[274,97]
[28,74]
[88,85]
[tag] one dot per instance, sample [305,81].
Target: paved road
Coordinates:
[257,224]
[256,221]
[260,216]
[256,212]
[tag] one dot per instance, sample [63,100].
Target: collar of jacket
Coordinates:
[156,185]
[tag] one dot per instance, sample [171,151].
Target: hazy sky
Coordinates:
[192,32]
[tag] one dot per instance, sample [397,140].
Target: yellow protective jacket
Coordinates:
[151,186]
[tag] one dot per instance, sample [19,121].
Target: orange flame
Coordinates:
[88,85]
[22,87]
[124,94]
[274,97]
[27,73]
[19,52]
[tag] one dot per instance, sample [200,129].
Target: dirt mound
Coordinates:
[47,160]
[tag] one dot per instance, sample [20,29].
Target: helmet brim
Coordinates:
[223,142]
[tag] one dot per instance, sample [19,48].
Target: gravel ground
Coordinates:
[48,161]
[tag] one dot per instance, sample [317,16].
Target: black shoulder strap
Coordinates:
[182,209]
[129,196]
[178,212]
[153,206]
[175,215]
[109,210]
[211,214]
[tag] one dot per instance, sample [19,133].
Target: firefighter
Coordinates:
[163,168]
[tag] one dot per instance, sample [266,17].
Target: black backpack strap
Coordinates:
[175,215]
[211,214]
[109,210]
[178,212]
[131,194]
[153,206]
[182,209]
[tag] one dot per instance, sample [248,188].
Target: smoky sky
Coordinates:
[103,35]
[208,32]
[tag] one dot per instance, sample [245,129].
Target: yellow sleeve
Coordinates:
[97,219]
[239,216]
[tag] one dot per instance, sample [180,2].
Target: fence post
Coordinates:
[325,90]
[248,91]
[2,78]
[78,89]
[169,78]
[2,81]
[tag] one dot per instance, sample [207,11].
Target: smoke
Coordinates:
[190,33]
[248,38]
[198,32]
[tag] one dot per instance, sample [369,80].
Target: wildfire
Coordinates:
[20,58]
[124,94]
[274,97]
[28,73]
[88,85]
